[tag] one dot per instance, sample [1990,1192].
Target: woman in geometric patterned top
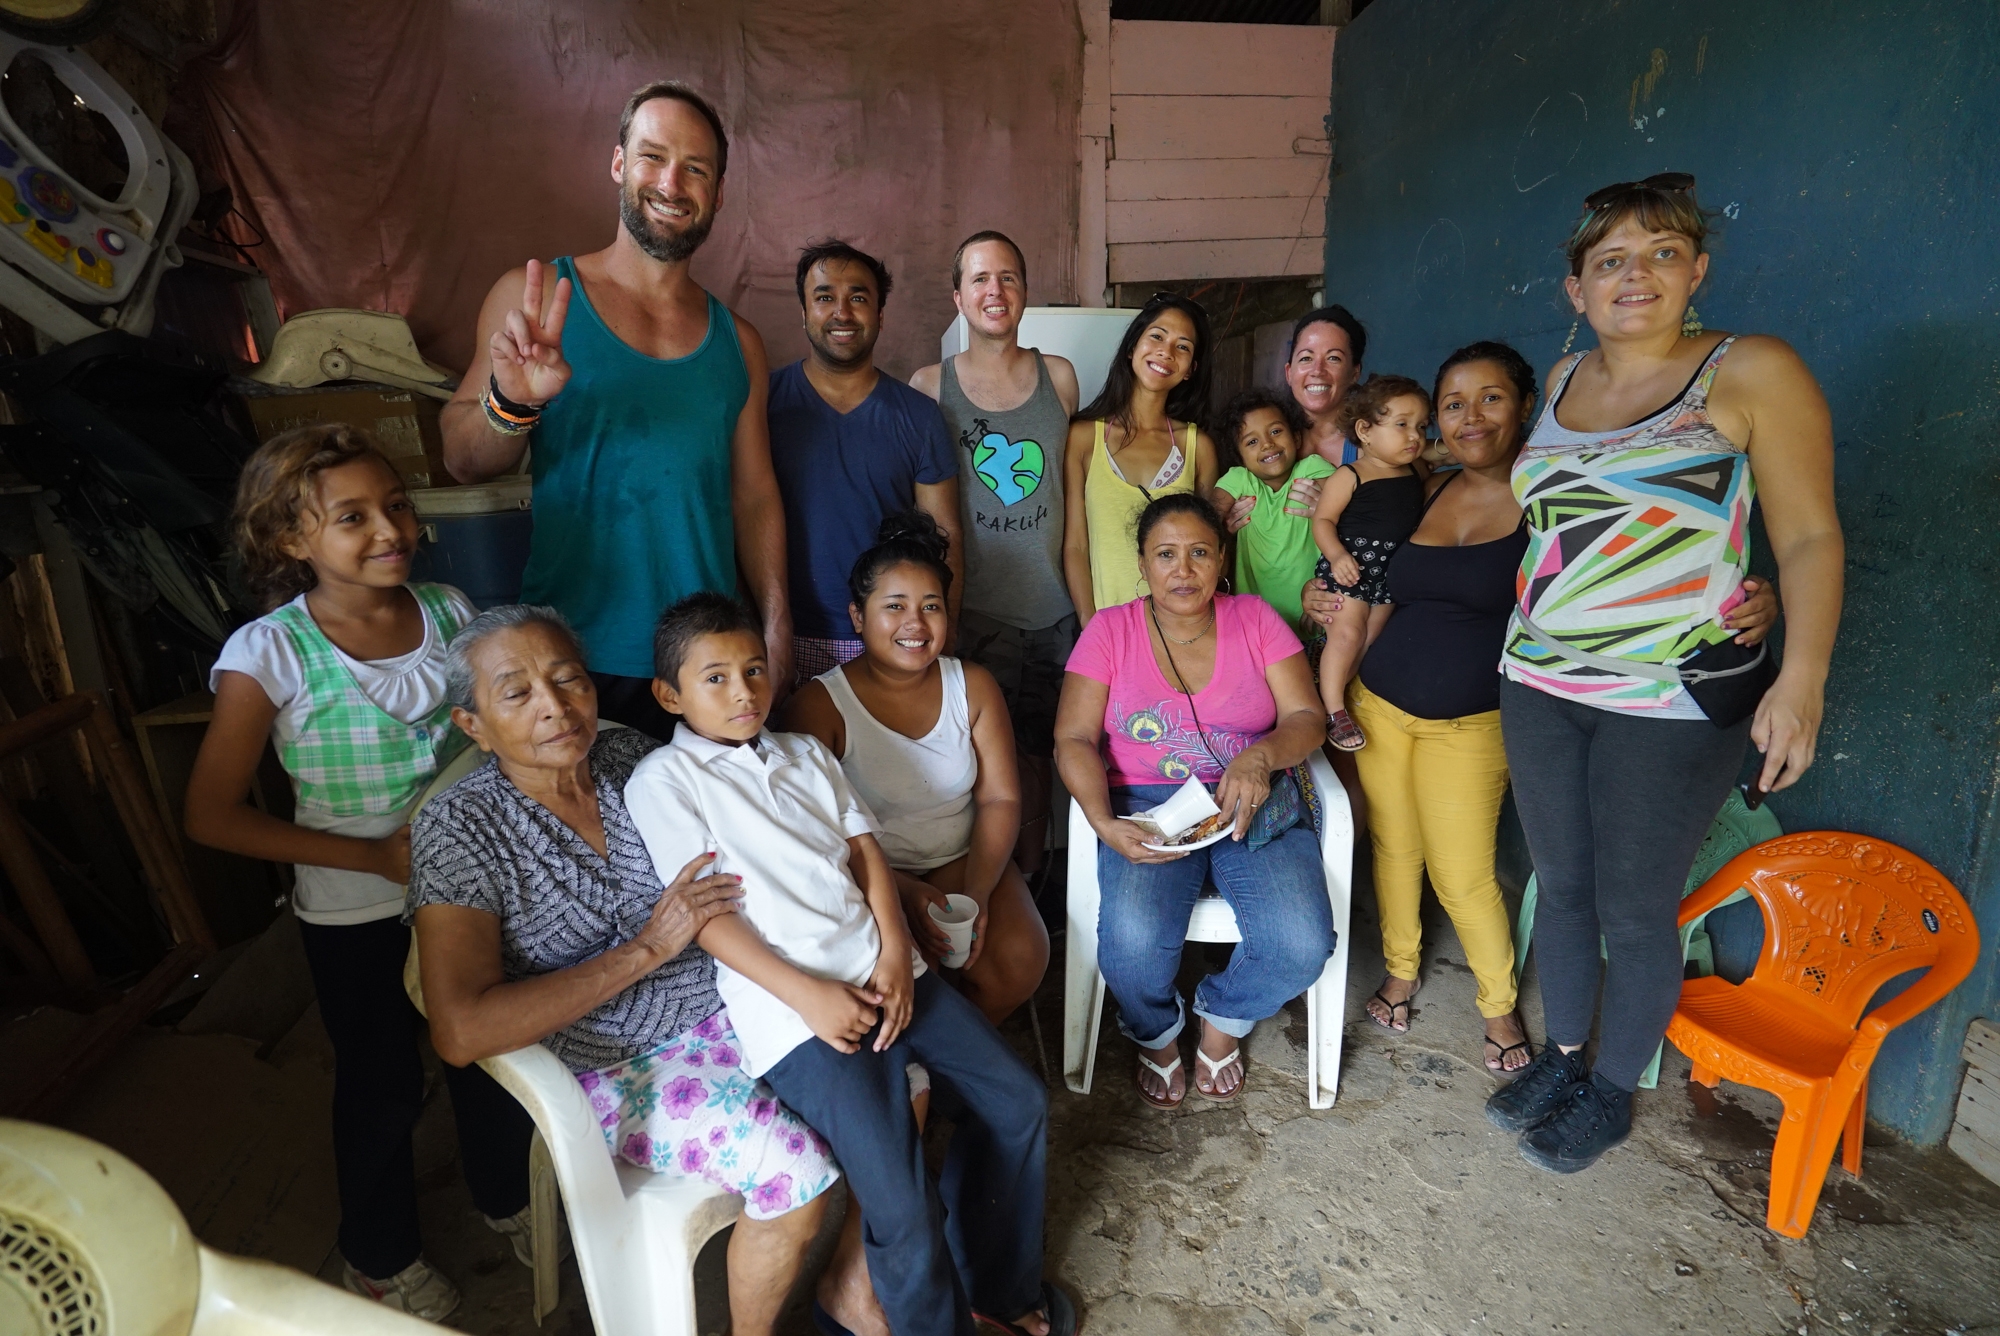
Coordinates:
[1638,483]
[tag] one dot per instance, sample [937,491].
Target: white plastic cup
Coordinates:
[1188,808]
[956,916]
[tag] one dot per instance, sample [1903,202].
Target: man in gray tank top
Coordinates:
[1008,408]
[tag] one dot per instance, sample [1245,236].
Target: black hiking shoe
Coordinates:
[1595,1117]
[1536,1090]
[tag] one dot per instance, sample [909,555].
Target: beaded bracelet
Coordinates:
[501,423]
[504,415]
[508,408]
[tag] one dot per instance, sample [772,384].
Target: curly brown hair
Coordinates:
[275,493]
[1367,401]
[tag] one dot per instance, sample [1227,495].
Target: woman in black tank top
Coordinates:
[1435,770]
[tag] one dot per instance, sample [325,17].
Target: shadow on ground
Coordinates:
[1398,1211]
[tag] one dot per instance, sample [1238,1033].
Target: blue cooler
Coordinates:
[475,537]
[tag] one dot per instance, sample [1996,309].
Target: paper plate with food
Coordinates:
[1187,821]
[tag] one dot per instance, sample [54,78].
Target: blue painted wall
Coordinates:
[1854,150]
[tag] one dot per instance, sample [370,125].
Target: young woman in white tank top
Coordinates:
[927,743]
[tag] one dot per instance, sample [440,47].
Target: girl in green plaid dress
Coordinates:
[344,676]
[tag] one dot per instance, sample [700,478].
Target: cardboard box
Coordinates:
[404,421]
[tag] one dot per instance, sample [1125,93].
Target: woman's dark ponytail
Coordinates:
[909,537]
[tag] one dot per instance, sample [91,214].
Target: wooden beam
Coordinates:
[50,721]
[108,1029]
[43,906]
[1214,127]
[1164,261]
[1216,219]
[1286,59]
[1294,176]
[145,824]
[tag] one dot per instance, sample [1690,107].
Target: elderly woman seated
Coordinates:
[540,919]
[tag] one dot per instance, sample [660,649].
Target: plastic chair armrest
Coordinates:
[1725,883]
[1907,1004]
[562,1113]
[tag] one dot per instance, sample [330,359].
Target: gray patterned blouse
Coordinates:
[484,844]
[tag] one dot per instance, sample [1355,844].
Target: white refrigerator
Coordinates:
[1087,335]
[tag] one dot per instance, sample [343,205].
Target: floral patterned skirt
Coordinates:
[686,1108]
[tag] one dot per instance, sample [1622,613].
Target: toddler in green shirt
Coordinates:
[1275,554]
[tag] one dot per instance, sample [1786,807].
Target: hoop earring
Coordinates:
[1691,323]
[1571,340]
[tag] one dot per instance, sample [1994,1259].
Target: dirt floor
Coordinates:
[1398,1211]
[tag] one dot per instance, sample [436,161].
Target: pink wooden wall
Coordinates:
[401,154]
[1217,156]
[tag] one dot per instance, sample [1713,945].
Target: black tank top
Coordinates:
[1386,509]
[1439,655]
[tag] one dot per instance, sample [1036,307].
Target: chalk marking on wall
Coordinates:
[1528,132]
[1700,55]
[1444,258]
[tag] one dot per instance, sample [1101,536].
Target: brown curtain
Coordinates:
[401,154]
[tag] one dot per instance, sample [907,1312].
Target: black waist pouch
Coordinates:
[1727,680]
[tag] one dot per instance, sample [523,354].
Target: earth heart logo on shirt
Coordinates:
[1011,469]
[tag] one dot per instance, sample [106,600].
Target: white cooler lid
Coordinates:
[480,498]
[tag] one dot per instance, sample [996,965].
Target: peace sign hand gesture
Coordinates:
[526,350]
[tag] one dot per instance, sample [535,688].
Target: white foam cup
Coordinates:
[956,916]
[1188,808]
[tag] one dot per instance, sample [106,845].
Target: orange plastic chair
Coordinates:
[1843,914]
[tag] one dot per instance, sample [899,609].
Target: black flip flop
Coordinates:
[1389,1024]
[1057,1307]
[1501,1056]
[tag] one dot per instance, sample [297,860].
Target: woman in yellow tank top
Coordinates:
[1135,442]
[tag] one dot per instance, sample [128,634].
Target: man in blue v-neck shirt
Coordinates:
[851,446]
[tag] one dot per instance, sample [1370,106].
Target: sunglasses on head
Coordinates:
[1672,182]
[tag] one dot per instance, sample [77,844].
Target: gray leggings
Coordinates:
[1614,807]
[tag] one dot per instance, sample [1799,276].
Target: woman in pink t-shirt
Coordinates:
[1185,682]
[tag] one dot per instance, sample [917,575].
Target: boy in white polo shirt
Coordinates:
[823,989]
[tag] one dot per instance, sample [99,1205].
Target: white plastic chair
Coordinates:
[636,1233]
[1213,921]
[89,1242]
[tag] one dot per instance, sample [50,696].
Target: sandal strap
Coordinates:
[1165,1073]
[1215,1065]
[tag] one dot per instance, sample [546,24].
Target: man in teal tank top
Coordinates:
[644,399]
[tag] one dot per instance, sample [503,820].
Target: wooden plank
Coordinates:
[42,905]
[1213,127]
[1161,261]
[1153,57]
[1214,219]
[1979,1103]
[1295,176]
[108,1029]
[145,827]
[1982,1045]
[48,722]
[1976,1151]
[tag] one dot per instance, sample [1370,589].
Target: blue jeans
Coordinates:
[1278,893]
[974,1238]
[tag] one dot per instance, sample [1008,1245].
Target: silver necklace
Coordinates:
[1191,639]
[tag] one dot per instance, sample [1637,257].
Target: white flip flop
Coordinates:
[1166,1074]
[1215,1066]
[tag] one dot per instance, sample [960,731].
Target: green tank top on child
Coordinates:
[351,757]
